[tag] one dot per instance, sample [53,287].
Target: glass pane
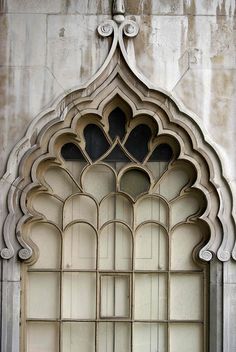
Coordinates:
[150,296]
[184,207]
[135,182]
[75,167]
[152,208]
[42,337]
[60,182]
[115,247]
[117,122]
[114,337]
[163,152]
[70,151]
[150,337]
[48,240]
[137,142]
[116,207]
[49,207]
[43,295]
[157,169]
[151,248]
[79,250]
[96,142]
[183,241]
[99,180]
[186,296]
[79,295]
[172,183]
[186,338]
[115,296]
[78,337]
[80,207]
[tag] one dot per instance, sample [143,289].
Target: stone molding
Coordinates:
[116,82]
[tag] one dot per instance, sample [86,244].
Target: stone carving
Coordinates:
[118,11]
[117,82]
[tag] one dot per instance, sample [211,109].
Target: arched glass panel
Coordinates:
[116,231]
[79,247]
[115,247]
[135,182]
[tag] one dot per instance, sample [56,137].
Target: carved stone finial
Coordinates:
[118,11]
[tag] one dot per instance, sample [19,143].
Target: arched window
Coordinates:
[116,229]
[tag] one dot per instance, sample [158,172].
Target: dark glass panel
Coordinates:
[70,151]
[96,143]
[137,143]
[117,121]
[163,152]
[117,154]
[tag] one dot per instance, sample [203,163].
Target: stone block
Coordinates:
[75,51]
[209,7]
[34,6]
[164,39]
[24,93]
[23,40]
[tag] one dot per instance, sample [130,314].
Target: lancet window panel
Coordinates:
[116,230]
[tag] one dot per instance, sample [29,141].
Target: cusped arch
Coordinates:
[117,86]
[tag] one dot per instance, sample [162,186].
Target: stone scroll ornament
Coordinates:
[118,27]
[117,77]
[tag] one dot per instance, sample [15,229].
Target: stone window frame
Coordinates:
[116,82]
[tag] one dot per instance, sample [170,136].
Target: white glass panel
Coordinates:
[135,182]
[42,337]
[186,338]
[116,207]
[183,241]
[80,207]
[75,167]
[48,206]
[186,296]
[115,247]
[99,180]
[48,240]
[151,248]
[115,296]
[79,250]
[182,208]
[151,208]
[172,183]
[60,182]
[150,337]
[78,337]
[114,337]
[157,168]
[79,295]
[150,296]
[43,295]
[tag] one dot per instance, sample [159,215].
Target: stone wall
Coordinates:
[186,47]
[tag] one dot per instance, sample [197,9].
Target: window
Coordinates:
[116,231]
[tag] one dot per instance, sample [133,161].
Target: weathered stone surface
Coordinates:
[166,56]
[211,95]
[24,92]
[74,49]
[33,6]
[24,41]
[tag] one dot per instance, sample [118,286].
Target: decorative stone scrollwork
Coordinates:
[106,29]
[130,28]
[25,253]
